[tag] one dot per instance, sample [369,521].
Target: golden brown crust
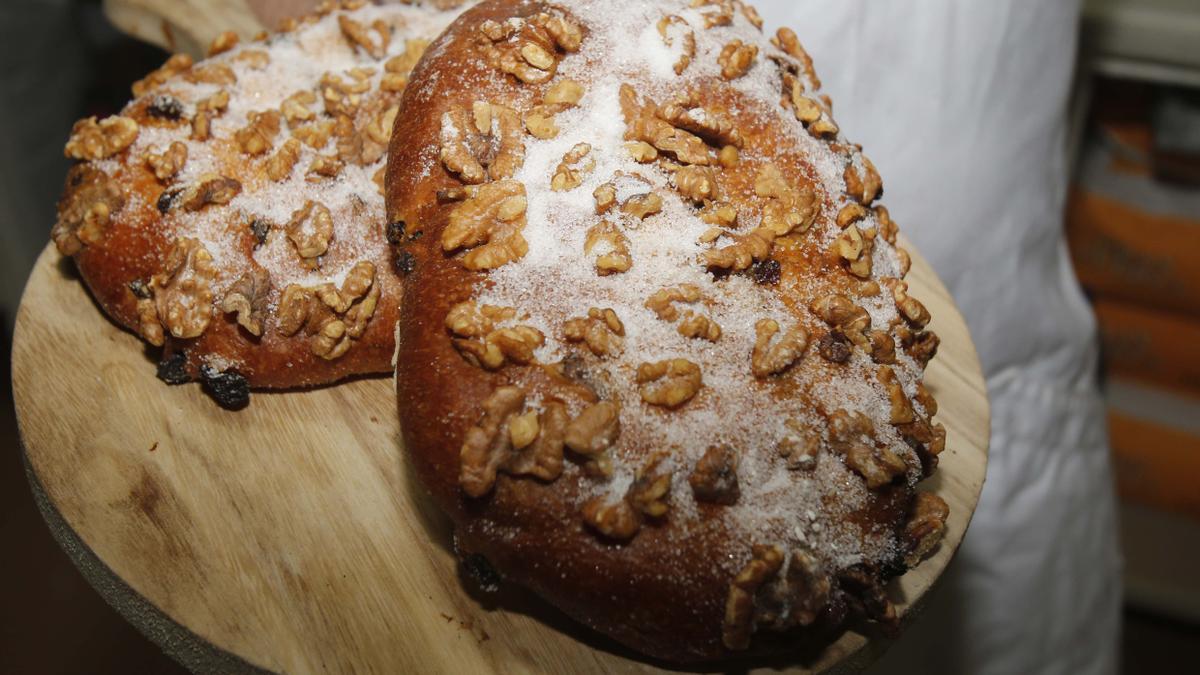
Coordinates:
[673,242]
[264,163]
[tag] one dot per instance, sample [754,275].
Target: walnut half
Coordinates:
[507,441]
[490,222]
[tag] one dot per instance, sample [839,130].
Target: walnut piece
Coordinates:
[651,488]
[613,256]
[258,137]
[295,108]
[602,331]
[210,190]
[206,110]
[852,436]
[744,252]
[484,143]
[643,123]
[736,59]
[484,345]
[343,96]
[713,125]
[697,183]
[248,299]
[529,49]
[180,298]
[693,324]
[92,140]
[310,229]
[176,64]
[332,318]
[593,433]
[849,319]
[863,183]
[788,209]
[714,479]
[360,36]
[509,441]
[398,68]
[490,223]
[674,28]
[670,383]
[616,520]
[281,164]
[642,206]
[168,163]
[768,359]
[909,307]
[739,623]
[800,445]
[901,408]
[571,170]
[86,210]
[925,527]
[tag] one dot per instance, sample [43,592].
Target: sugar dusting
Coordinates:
[556,282]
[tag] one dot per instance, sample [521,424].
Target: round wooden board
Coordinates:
[291,536]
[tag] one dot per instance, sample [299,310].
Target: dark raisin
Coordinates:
[173,369]
[166,201]
[835,347]
[228,389]
[766,272]
[139,289]
[480,571]
[165,108]
[260,229]
[395,232]
[405,263]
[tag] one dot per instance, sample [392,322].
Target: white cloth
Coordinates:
[962,105]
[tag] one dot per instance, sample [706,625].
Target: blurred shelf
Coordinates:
[1162,554]
[1154,39]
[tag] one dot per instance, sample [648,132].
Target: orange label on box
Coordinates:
[1157,466]
[1149,345]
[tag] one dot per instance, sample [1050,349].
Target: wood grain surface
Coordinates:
[291,536]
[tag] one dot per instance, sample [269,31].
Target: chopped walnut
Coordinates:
[651,489]
[739,623]
[540,122]
[698,326]
[176,64]
[86,209]
[788,209]
[333,319]
[901,408]
[883,347]
[255,59]
[800,445]
[863,182]
[855,247]
[181,294]
[594,431]
[571,171]
[852,436]
[614,257]
[483,143]
[92,140]
[398,68]
[206,110]
[687,112]
[616,520]
[744,252]
[673,28]
[606,198]
[887,227]
[565,92]
[714,479]
[281,164]
[697,183]
[258,137]
[380,128]
[507,440]
[769,359]
[736,59]
[909,307]
[247,298]
[925,527]
[211,73]
[787,42]
[670,383]
[295,108]
[642,152]
[841,313]
[210,190]
[360,36]
[168,163]
[490,223]
[315,135]
[323,168]
[528,50]
[643,123]
[850,214]
[310,229]
[602,331]
[662,302]
[482,344]
[921,345]
[642,206]
[343,96]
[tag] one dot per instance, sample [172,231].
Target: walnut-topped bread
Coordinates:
[657,359]
[233,212]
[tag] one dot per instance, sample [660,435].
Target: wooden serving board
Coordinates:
[291,536]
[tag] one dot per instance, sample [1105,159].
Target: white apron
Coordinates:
[962,105]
